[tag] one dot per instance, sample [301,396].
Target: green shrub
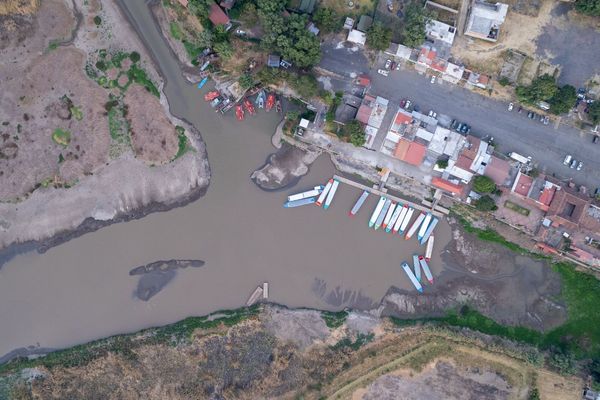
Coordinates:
[97,20]
[483,184]
[134,56]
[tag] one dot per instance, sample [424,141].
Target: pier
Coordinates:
[438,211]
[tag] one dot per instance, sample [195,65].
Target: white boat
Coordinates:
[412,277]
[309,193]
[381,216]
[359,203]
[400,219]
[409,215]
[424,226]
[395,216]
[426,270]
[429,230]
[429,248]
[377,211]
[388,216]
[417,267]
[415,226]
[329,198]
[298,203]
[324,193]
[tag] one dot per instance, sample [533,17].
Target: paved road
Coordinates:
[511,131]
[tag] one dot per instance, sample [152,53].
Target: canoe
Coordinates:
[324,193]
[381,216]
[377,211]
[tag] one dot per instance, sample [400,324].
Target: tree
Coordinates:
[483,184]
[134,56]
[486,203]
[354,132]
[563,100]
[413,34]
[358,138]
[543,88]
[292,115]
[379,37]
[224,49]
[200,8]
[594,112]
[204,39]
[249,14]
[589,7]
[305,85]
[246,81]
[442,164]
[327,20]
[534,394]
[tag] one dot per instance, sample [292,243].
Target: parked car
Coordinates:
[433,79]
[580,165]
[383,72]
[388,64]
[434,115]
[530,114]
[407,104]
[520,109]
[402,103]
[416,108]
[573,163]
[459,127]
[393,66]
[430,113]
[542,118]
[465,129]
[595,139]
[453,124]
[546,120]
[568,159]
[510,106]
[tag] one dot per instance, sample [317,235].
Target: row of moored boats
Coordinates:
[393,217]
[222,103]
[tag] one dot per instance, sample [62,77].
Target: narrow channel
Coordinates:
[82,290]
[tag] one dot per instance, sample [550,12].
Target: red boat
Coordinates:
[239,112]
[270,101]
[249,106]
[278,106]
[210,96]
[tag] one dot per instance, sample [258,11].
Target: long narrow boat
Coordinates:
[301,202]
[331,193]
[398,223]
[395,217]
[409,215]
[249,107]
[377,211]
[426,269]
[270,101]
[324,193]
[429,230]
[417,267]
[239,112]
[415,226]
[412,277]
[260,99]
[424,226]
[359,203]
[381,216]
[210,96]
[429,249]
[202,82]
[309,193]
[388,216]
[278,106]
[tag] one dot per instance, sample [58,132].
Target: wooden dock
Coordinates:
[379,192]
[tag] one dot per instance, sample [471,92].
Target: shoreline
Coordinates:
[91,224]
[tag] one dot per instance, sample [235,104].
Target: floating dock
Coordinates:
[426,270]
[395,216]
[257,294]
[377,211]
[265,292]
[309,193]
[359,203]
[429,230]
[415,226]
[324,193]
[331,193]
[429,248]
[412,277]
[409,215]
[301,202]
[388,216]
[417,267]
[379,221]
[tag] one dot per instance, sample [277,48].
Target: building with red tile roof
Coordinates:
[447,186]
[217,16]
[522,185]
[498,170]
[410,152]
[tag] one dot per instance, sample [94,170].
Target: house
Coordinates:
[273,61]
[426,56]
[447,186]
[372,110]
[436,30]
[364,23]
[356,36]
[568,208]
[347,111]
[400,51]
[453,73]
[475,79]
[410,152]
[218,17]
[498,170]
[485,19]
[472,159]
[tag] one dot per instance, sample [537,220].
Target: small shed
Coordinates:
[217,16]
[312,28]
[304,123]
[364,23]
[273,61]
[348,23]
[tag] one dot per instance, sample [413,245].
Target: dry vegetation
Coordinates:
[22,7]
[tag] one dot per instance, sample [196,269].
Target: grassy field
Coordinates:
[516,208]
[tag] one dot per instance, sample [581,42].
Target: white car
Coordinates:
[433,79]
[568,159]
[388,63]
[510,106]
[383,72]
[580,165]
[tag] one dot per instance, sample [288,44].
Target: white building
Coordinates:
[356,36]
[440,31]
[485,19]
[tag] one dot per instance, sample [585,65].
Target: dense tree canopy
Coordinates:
[544,88]
[224,49]
[595,112]
[354,132]
[589,7]
[327,20]
[379,37]
[486,203]
[483,184]
[413,34]
[563,100]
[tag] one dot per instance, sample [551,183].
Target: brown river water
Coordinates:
[81,290]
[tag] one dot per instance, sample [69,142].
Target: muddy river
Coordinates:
[82,290]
